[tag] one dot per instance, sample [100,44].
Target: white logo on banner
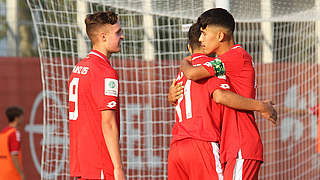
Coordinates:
[135,135]
[32,128]
[291,126]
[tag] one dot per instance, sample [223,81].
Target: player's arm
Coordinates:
[17,165]
[175,92]
[191,72]
[208,69]
[233,100]
[111,136]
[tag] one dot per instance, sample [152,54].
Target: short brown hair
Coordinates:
[194,35]
[98,19]
[13,112]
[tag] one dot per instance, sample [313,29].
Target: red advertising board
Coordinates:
[289,147]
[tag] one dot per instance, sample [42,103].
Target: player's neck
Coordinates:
[13,124]
[197,51]
[225,47]
[102,50]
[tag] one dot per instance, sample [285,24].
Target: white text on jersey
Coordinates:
[80,70]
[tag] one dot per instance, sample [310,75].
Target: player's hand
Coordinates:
[175,92]
[268,111]
[119,174]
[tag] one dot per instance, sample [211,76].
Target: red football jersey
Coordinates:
[93,87]
[238,66]
[14,140]
[197,115]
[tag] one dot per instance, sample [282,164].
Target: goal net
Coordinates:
[282,37]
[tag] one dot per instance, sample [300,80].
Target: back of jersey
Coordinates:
[197,115]
[93,87]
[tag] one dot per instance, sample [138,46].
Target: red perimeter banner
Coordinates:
[289,147]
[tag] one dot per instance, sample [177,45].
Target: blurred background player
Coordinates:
[245,150]
[94,104]
[10,150]
[191,133]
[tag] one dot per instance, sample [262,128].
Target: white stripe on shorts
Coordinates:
[216,153]
[237,171]
[101,176]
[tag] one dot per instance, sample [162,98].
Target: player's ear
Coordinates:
[189,48]
[221,36]
[103,36]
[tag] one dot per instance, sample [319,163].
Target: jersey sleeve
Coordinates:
[219,82]
[215,67]
[105,89]
[230,65]
[14,142]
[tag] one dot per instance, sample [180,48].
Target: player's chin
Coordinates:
[208,51]
[116,50]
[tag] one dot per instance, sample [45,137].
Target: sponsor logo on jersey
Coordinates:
[225,86]
[112,104]
[111,87]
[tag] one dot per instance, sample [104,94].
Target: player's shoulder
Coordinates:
[201,58]
[238,51]
[104,69]
[94,66]
[8,129]
[14,133]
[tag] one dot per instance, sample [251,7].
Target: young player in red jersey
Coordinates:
[10,150]
[199,120]
[242,152]
[94,104]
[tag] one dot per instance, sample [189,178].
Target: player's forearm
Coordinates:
[111,136]
[235,101]
[193,73]
[17,165]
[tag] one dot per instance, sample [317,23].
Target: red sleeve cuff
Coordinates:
[14,152]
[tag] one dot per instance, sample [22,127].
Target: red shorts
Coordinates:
[239,169]
[192,159]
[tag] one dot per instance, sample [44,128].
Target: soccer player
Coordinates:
[94,104]
[198,120]
[242,152]
[10,151]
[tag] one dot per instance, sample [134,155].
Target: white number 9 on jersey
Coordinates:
[73,97]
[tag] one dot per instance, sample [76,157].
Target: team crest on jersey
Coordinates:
[110,87]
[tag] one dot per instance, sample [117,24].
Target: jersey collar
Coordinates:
[197,55]
[99,55]
[236,46]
